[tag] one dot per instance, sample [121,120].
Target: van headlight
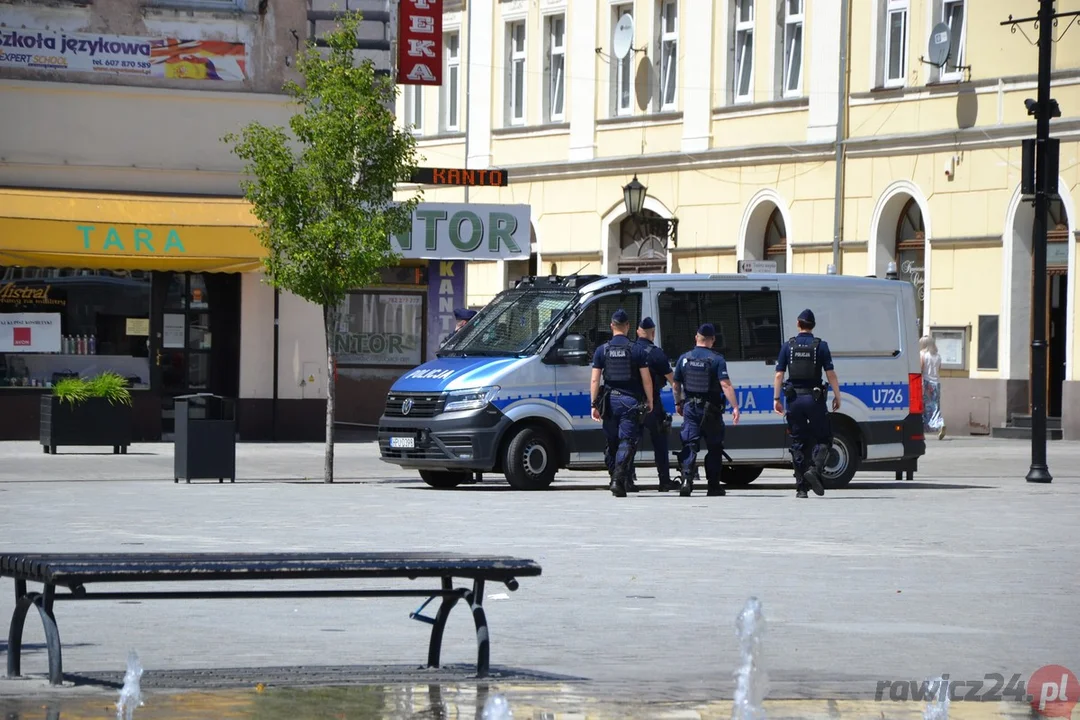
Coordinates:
[477,399]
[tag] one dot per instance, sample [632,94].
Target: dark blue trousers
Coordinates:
[697,430]
[811,435]
[658,434]
[623,431]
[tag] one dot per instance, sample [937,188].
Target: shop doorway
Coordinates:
[1057,283]
[195,330]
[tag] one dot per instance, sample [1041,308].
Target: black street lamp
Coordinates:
[634,196]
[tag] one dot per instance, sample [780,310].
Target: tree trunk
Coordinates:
[328,463]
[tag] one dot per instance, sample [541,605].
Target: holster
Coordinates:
[665,424]
[789,392]
[819,393]
[603,401]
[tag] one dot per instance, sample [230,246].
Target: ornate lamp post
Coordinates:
[634,200]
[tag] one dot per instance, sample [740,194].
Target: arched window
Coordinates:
[776,241]
[642,247]
[910,253]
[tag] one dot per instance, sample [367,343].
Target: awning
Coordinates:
[50,228]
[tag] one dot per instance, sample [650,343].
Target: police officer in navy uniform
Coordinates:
[627,386]
[462,315]
[804,357]
[657,422]
[701,383]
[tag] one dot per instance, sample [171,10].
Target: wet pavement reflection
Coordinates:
[454,702]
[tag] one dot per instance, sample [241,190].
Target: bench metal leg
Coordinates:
[483,645]
[44,604]
[475,599]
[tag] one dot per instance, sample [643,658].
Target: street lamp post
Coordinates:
[634,193]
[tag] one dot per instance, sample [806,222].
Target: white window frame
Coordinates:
[414,109]
[742,29]
[787,55]
[890,8]
[450,95]
[945,75]
[668,62]
[622,71]
[515,115]
[554,80]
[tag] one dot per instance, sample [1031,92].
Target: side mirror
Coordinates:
[573,350]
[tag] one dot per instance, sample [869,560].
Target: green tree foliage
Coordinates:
[325,192]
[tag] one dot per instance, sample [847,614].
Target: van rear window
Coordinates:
[863,324]
[747,323]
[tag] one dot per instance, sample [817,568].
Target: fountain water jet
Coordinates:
[130,694]
[938,707]
[751,682]
[497,707]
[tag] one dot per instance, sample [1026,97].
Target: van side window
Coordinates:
[747,322]
[594,323]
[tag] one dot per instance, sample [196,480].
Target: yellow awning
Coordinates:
[49,228]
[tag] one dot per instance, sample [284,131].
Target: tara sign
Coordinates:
[459,231]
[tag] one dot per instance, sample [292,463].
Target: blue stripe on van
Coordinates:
[753,400]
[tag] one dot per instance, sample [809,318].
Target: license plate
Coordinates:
[402,442]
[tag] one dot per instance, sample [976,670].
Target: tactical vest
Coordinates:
[617,365]
[698,375]
[803,365]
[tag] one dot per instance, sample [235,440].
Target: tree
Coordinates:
[325,196]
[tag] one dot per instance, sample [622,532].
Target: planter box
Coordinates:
[94,422]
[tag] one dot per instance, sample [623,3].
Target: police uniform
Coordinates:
[657,422]
[621,361]
[804,358]
[461,315]
[700,372]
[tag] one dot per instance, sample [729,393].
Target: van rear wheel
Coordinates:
[740,475]
[530,460]
[843,461]
[443,479]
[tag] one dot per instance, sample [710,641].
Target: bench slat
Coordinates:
[79,568]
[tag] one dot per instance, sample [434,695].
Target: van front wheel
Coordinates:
[843,461]
[530,460]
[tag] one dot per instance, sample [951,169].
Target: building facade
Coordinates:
[739,119]
[122,226]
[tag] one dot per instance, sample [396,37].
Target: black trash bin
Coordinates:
[205,438]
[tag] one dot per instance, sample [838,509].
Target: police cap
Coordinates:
[620,317]
[807,317]
[707,330]
[464,314]
[647,324]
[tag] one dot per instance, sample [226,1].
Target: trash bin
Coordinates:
[205,438]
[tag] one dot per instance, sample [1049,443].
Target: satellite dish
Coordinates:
[623,37]
[643,83]
[938,50]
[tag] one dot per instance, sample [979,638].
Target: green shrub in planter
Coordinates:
[94,411]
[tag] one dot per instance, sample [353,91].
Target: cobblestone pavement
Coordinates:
[967,570]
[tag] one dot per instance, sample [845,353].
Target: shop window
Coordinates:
[910,253]
[776,241]
[57,322]
[380,329]
[594,323]
[747,323]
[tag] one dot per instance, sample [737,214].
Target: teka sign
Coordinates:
[458,231]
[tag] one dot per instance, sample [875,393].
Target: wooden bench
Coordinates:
[75,571]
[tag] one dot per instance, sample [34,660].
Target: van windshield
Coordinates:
[510,324]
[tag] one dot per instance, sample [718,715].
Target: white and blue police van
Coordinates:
[509,393]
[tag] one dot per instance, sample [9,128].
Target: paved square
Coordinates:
[968,570]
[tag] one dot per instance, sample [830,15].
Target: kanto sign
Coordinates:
[420,42]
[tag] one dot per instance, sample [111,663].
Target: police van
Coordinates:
[509,393]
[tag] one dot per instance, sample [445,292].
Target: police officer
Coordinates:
[702,375]
[804,357]
[657,422]
[462,315]
[627,387]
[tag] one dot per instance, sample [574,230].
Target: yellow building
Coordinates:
[728,112]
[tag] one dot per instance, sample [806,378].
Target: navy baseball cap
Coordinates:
[807,316]
[647,324]
[707,330]
[464,314]
[620,317]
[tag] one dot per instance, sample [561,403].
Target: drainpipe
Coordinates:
[841,135]
[273,406]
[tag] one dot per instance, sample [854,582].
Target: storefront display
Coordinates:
[57,323]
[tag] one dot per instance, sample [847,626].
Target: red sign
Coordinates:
[420,42]
[20,336]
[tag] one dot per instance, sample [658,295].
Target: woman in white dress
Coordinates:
[931,368]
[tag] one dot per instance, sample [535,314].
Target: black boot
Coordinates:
[814,480]
[669,485]
[715,490]
[800,484]
[618,485]
[688,483]
[631,482]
